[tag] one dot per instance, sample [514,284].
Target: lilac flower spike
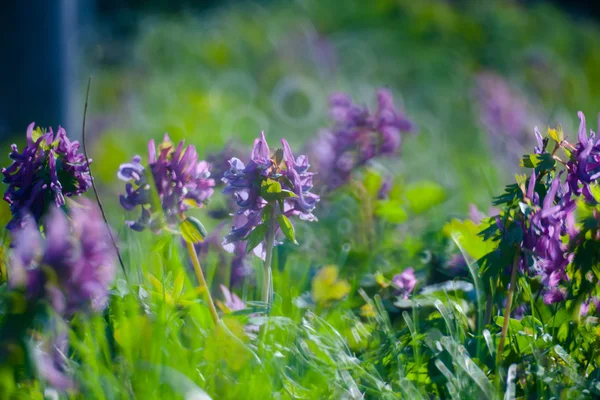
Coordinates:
[71,267]
[33,177]
[181,180]
[248,184]
[358,136]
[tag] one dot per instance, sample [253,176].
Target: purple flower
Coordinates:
[554,296]
[241,268]
[48,169]
[385,189]
[358,136]
[584,166]
[181,181]
[232,301]
[503,111]
[248,186]
[220,161]
[405,282]
[71,267]
[51,363]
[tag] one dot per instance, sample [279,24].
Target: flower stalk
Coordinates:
[509,300]
[202,281]
[268,260]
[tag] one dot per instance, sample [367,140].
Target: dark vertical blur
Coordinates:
[38,67]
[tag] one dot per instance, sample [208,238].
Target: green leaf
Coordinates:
[270,190]
[390,211]
[286,227]
[422,196]
[373,182]
[466,233]
[538,161]
[192,230]
[178,285]
[267,211]
[557,134]
[278,156]
[563,332]
[285,194]
[514,325]
[255,237]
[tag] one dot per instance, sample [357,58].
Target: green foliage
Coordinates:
[192,230]
[338,328]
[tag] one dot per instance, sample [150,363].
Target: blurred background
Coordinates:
[475,76]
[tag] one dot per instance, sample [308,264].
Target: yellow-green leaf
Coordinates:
[192,230]
[422,196]
[326,287]
[178,285]
[390,211]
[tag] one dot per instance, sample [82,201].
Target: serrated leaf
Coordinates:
[256,237]
[286,227]
[538,161]
[192,230]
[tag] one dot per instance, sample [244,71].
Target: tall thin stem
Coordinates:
[87,160]
[200,276]
[268,260]
[509,300]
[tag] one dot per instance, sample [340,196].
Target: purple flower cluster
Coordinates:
[405,282]
[70,267]
[549,220]
[49,168]
[543,236]
[358,136]
[245,184]
[181,181]
[503,111]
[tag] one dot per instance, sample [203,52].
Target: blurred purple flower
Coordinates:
[504,112]
[554,296]
[181,182]
[244,183]
[358,136]
[71,267]
[232,301]
[405,282]
[241,267]
[385,189]
[48,169]
[51,363]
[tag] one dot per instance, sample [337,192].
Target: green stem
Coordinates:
[509,300]
[200,276]
[268,260]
